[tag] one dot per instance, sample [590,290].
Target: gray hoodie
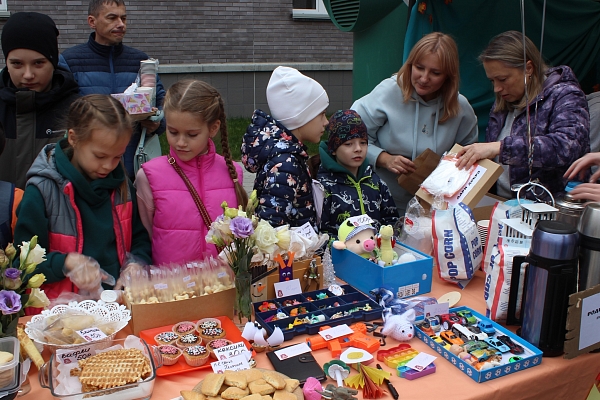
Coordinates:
[408,129]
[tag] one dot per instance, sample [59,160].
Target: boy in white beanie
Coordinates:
[274,149]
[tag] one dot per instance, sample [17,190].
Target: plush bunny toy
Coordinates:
[400,327]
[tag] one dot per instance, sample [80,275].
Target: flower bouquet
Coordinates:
[245,239]
[19,287]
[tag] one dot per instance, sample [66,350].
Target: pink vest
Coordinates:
[178,231]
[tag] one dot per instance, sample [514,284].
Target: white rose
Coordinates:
[37,299]
[265,237]
[34,256]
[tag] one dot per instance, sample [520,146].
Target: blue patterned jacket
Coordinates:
[560,126]
[283,182]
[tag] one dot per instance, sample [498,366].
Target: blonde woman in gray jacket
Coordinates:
[415,109]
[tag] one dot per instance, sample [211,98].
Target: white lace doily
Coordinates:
[108,312]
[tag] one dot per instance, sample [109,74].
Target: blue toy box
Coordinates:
[530,358]
[407,279]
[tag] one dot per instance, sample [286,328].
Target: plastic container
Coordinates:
[134,391]
[9,372]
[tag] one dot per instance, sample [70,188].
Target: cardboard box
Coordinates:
[483,209]
[480,182]
[136,103]
[530,358]
[408,279]
[147,316]
[298,268]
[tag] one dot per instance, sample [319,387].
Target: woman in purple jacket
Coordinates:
[558,116]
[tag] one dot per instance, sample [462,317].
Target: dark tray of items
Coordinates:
[306,313]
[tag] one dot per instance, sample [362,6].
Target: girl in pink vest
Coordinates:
[80,203]
[181,194]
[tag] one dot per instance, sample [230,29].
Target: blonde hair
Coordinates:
[507,48]
[445,48]
[95,110]
[204,101]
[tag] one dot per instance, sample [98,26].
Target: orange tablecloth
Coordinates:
[555,378]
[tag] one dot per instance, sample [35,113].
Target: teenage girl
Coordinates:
[79,202]
[181,194]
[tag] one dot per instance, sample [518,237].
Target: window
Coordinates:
[313,9]
[3,6]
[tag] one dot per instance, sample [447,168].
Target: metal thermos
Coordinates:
[589,242]
[569,209]
[550,279]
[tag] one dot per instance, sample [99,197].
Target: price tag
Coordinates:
[293,351]
[432,310]
[91,334]
[222,274]
[68,356]
[360,220]
[232,350]
[187,278]
[305,230]
[336,332]
[191,284]
[160,286]
[420,362]
[287,288]
[235,363]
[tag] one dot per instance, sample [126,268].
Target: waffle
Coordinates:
[112,369]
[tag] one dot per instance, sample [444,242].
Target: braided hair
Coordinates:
[203,100]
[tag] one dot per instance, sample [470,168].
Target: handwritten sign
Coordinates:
[432,310]
[306,230]
[232,350]
[91,334]
[287,288]
[235,363]
[68,356]
[292,351]
[359,220]
[590,321]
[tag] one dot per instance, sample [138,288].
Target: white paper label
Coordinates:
[293,351]
[306,230]
[187,278]
[421,361]
[235,363]
[360,220]
[590,321]
[436,309]
[473,179]
[160,286]
[232,350]
[336,332]
[408,290]
[68,356]
[287,288]
[91,334]
[222,274]
[191,284]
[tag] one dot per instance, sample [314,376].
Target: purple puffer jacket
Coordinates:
[560,128]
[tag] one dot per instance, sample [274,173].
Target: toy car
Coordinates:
[465,334]
[475,345]
[425,327]
[447,320]
[514,348]
[440,341]
[483,354]
[493,342]
[514,359]
[434,323]
[486,327]
[466,314]
[451,338]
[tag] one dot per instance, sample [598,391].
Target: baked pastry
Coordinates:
[195,356]
[217,344]
[183,328]
[236,379]
[166,338]
[212,383]
[170,354]
[212,333]
[207,323]
[188,340]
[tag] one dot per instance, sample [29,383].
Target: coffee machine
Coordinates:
[550,278]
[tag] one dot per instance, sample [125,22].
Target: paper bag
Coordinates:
[425,163]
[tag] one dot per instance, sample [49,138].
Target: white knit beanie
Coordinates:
[295,99]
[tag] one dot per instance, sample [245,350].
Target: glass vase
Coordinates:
[243,299]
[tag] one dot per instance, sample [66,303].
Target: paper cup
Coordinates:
[482,227]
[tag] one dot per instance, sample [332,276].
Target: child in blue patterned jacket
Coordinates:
[274,149]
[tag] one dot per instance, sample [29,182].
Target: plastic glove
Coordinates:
[85,272]
[130,270]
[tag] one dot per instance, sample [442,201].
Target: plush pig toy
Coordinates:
[358,239]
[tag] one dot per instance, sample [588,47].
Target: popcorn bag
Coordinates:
[456,244]
[502,257]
